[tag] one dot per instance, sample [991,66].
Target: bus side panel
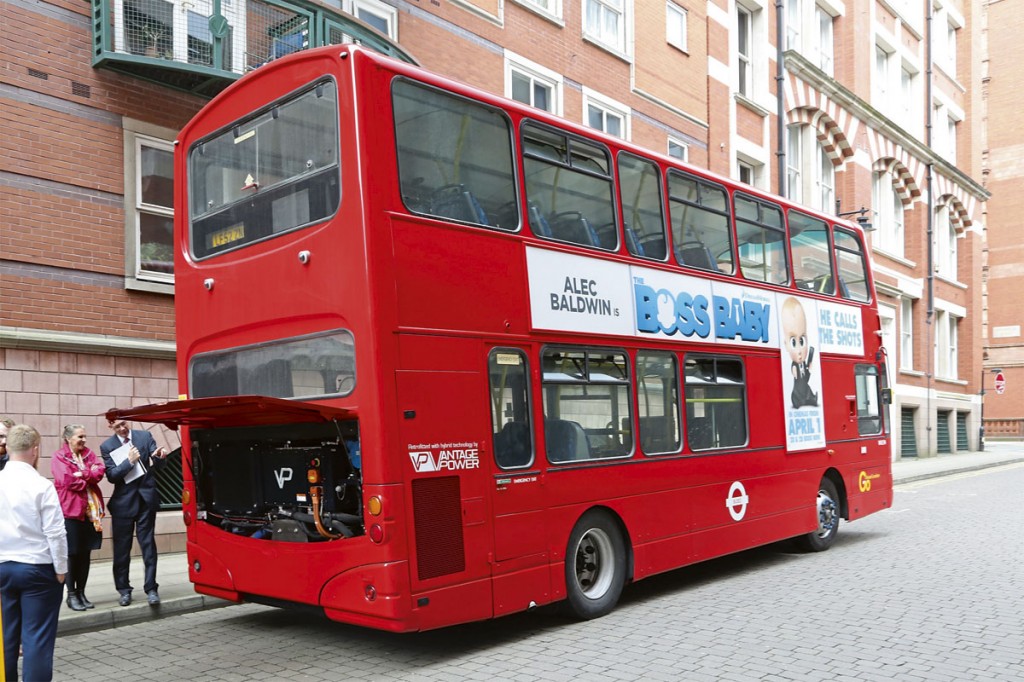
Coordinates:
[443,444]
[869,488]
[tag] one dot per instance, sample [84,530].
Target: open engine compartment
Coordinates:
[294,482]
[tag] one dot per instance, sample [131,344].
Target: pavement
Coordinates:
[178,596]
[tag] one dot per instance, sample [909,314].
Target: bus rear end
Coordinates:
[272,299]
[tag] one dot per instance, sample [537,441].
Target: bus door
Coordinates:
[442,428]
[520,558]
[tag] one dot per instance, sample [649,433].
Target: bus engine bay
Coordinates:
[296,482]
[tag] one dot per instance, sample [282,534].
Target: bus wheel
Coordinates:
[595,566]
[828,519]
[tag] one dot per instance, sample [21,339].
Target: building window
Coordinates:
[951,139]
[947,22]
[381,16]
[946,337]
[607,115]
[881,77]
[149,205]
[794,18]
[744,51]
[604,21]
[533,84]
[909,100]
[745,173]
[552,8]
[811,172]
[907,333]
[678,150]
[675,25]
[825,44]
[887,215]
[794,159]
[945,243]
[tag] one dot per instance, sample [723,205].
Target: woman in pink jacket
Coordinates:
[77,471]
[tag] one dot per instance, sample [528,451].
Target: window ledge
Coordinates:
[893,257]
[911,372]
[952,282]
[752,105]
[607,48]
[133,284]
[951,380]
[539,11]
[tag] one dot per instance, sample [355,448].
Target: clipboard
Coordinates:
[121,454]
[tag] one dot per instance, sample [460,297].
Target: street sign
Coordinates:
[1000,383]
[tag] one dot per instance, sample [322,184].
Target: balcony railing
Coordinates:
[201,46]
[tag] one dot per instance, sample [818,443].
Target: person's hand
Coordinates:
[160,453]
[134,455]
[60,578]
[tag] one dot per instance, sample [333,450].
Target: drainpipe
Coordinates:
[780,98]
[929,134]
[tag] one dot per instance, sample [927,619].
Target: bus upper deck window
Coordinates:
[454,157]
[267,174]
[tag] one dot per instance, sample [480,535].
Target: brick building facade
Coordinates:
[91,108]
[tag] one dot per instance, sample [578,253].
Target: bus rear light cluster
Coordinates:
[187,517]
[374,506]
[186,496]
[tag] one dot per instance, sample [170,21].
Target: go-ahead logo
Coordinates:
[864,481]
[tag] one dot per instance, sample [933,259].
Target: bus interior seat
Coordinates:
[654,435]
[455,201]
[273,379]
[512,444]
[698,433]
[572,226]
[538,222]
[565,440]
[696,254]
[632,241]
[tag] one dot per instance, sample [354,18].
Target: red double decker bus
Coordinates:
[446,357]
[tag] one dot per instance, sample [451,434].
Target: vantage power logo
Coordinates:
[427,457]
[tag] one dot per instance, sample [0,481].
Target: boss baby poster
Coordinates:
[801,373]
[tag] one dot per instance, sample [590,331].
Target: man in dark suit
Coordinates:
[133,505]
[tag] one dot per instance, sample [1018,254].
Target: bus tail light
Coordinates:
[374,506]
[377,533]
[187,517]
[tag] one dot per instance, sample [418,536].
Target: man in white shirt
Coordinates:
[33,558]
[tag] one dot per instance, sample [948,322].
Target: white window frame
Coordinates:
[676,16]
[684,149]
[596,33]
[379,9]
[745,51]
[887,215]
[824,178]
[548,8]
[136,135]
[537,74]
[608,107]
[907,334]
[946,341]
[795,161]
[881,76]
[794,24]
[945,243]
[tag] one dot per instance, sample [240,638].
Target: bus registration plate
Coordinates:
[226,236]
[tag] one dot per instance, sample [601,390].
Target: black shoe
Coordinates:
[85,601]
[154,598]
[74,603]
[125,599]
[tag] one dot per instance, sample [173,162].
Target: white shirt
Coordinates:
[31,521]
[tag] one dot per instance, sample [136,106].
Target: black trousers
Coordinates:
[141,526]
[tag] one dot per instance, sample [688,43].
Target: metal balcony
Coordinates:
[202,46]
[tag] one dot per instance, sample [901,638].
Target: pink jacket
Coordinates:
[71,489]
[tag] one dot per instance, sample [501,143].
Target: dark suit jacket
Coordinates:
[129,499]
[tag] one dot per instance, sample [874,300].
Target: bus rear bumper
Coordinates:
[374,595]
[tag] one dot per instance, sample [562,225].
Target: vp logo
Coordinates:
[423,460]
[283,475]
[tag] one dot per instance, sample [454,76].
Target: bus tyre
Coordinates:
[595,566]
[828,508]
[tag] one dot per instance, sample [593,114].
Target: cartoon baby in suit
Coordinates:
[794,332]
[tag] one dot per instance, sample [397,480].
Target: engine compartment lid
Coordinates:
[225,411]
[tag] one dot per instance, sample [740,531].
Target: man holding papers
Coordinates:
[132,459]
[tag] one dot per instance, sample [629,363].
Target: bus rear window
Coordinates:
[304,367]
[267,174]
